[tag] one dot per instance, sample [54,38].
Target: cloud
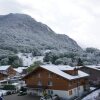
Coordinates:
[79,19]
[9,6]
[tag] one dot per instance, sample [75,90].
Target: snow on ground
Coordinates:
[3,92]
[92,96]
[92,88]
[28,59]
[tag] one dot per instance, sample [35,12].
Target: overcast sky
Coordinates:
[79,19]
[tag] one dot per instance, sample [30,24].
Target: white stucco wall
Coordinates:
[63,94]
[76,92]
[60,93]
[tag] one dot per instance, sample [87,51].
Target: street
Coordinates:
[25,97]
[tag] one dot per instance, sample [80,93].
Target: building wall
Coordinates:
[66,94]
[2,76]
[72,72]
[58,83]
[11,72]
[78,91]
[61,93]
[94,74]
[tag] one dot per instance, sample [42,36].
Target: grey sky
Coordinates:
[79,19]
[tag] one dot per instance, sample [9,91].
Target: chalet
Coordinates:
[3,79]
[64,81]
[3,76]
[8,69]
[94,72]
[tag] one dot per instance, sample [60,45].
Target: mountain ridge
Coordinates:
[22,32]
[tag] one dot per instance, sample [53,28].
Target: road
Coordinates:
[15,97]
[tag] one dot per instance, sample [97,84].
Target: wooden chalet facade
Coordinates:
[3,76]
[94,72]
[8,69]
[64,81]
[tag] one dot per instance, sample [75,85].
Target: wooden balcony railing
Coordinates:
[37,87]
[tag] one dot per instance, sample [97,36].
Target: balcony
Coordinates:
[36,86]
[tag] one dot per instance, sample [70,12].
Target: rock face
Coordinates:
[21,32]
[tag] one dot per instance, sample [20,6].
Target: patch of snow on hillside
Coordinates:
[92,88]
[20,69]
[28,59]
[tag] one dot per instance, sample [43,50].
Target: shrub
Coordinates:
[9,87]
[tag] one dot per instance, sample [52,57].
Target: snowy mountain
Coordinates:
[22,33]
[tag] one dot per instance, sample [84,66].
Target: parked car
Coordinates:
[21,93]
[49,97]
[9,92]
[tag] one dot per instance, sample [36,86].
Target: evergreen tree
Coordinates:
[80,62]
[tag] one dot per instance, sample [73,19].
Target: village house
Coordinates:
[3,76]
[9,75]
[62,80]
[94,72]
[9,70]
[3,79]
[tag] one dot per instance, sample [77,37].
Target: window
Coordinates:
[50,92]
[50,75]
[39,83]
[75,90]
[74,81]
[70,92]
[78,88]
[50,83]
[40,91]
[70,83]
[39,75]
[78,82]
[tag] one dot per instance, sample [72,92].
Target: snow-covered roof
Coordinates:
[5,80]
[96,67]
[20,69]
[59,71]
[15,84]
[4,67]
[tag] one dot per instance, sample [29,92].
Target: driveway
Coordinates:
[26,97]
